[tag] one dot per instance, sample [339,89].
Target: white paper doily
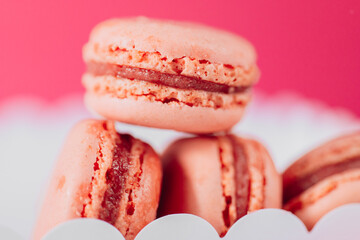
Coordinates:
[32,134]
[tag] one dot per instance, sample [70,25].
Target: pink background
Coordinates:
[310,47]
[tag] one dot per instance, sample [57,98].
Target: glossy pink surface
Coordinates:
[311,47]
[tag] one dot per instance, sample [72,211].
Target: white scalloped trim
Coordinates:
[271,224]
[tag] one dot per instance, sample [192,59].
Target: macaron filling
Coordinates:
[116,178]
[170,80]
[303,183]
[242,179]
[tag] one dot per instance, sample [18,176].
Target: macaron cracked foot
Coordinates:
[166,74]
[220,179]
[105,175]
[323,179]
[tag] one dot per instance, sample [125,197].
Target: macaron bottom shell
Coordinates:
[335,191]
[166,116]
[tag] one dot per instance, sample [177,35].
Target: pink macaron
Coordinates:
[219,179]
[323,179]
[105,175]
[166,74]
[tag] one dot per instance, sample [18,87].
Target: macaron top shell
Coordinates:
[175,40]
[174,47]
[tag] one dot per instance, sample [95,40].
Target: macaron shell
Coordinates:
[177,117]
[273,181]
[325,196]
[71,180]
[266,182]
[174,40]
[256,173]
[193,180]
[337,150]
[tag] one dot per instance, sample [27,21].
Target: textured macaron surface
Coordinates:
[174,47]
[105,175]
[219,179]
[332,192]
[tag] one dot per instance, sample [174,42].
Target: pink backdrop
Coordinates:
[312,47]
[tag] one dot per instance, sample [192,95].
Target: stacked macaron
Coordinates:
[190,78]
[171,75]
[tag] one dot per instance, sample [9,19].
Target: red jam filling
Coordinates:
[298,186]
[171,80]
[116,179]
[242,179]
